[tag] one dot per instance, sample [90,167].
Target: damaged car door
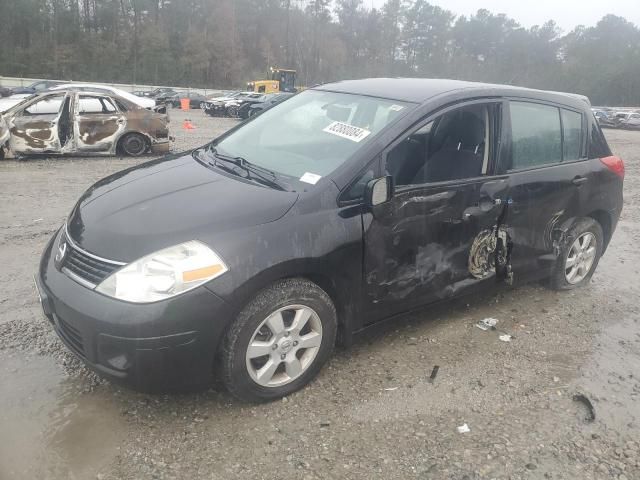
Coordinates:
[439,235]
[98,123]
[549,182]
[35,129]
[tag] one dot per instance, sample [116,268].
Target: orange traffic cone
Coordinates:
[187,125]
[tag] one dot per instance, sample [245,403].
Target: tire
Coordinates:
[133,144]
[291,299]
[202,106]
[580,231]
[232,111]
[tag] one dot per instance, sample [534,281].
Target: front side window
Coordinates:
[47,106]
[453,146]
[572,133]
[535,135]
[314,132]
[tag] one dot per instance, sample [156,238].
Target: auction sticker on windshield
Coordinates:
[311,178]
[344,130]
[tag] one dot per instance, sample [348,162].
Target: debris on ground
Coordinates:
[390,389]
[464,428]
[591,411]
[434,373]
[505,337]
[487,324]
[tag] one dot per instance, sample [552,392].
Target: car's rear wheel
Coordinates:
[579,256]
[279,341]
[133,144]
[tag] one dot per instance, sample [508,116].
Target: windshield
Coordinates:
[312,133]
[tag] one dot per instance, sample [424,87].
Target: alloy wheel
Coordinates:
[580,258]
[284,346]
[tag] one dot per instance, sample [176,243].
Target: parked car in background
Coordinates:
[36,87]
[163,95]
[141,101]
[162,92]
[5,91]
[141,93]
[346,205]
[7,102]
[216,106]
[628,120]
[233,106]
[246,102]
[603,118]
[271,101]
[196,100]
[230,105]
[82,121]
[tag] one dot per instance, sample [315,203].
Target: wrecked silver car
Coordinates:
[69,122]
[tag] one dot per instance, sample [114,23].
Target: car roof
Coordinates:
[420,90]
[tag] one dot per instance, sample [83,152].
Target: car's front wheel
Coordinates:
[279,341]
[580,255]
[232,111]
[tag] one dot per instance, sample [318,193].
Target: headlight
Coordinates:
[164,274]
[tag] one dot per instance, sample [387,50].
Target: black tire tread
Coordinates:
[128,135]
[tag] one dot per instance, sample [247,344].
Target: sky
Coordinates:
[566,13]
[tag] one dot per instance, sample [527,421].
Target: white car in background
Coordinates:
[94,87]
[8,102]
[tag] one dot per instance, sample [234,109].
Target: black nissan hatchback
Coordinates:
[348,204]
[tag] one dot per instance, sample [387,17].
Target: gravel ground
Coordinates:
[372,412]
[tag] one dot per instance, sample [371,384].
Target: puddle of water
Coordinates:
[49,429]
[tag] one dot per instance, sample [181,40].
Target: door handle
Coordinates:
[579,180]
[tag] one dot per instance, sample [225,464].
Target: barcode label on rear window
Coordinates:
[344,130]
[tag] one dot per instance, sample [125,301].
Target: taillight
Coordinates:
[615,164]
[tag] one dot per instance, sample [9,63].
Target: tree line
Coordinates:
[225,43]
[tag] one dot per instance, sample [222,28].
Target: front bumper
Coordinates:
[158,346]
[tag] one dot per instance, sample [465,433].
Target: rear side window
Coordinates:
[572,129]
[89,104]
[536,135]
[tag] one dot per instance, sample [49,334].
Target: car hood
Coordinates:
[166,202]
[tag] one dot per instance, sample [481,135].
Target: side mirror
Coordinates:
[378,191]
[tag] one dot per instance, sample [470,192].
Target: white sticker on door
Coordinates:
[344,130]
[311,178]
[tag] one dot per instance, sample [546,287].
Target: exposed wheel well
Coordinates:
[604,219]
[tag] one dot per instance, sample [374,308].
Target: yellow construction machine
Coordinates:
[282,80]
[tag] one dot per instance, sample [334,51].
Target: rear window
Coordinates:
[536,135]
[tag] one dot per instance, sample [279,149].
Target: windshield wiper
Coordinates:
[254,172]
